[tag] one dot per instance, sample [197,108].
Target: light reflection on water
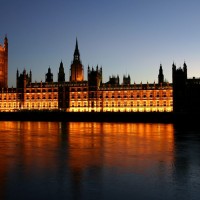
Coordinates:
[55,160]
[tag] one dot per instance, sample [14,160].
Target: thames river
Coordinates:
[76,160]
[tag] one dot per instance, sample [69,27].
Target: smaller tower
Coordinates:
[114,80]
[30,76]
[61,73]
[160,75]
[23,79]
[179,78]
[49,76]
[94,77]
[126,80]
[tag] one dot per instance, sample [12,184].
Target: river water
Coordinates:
[75,160]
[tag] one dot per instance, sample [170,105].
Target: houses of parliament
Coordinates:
[92,95]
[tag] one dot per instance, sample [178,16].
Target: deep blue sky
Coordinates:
[123,36]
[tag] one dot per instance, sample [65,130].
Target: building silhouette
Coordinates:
[93,95]
[186,91]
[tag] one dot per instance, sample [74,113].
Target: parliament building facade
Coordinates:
[91,95]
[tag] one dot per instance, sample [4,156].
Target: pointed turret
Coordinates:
[30,76]
[160,75]
[185,67]
[76,52]
[5,39]
[61,73]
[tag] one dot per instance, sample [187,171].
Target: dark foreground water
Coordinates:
[52,160]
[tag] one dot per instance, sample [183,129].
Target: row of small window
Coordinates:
[5,105]
[32,97]
[123,104]
[43,105]
[79,97]
[93,96]
[138,105]
[41,90]
[138,96]
[9,98]
[44,97]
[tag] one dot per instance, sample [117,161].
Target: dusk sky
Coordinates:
[123,36]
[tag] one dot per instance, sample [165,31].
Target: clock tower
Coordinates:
[4,64]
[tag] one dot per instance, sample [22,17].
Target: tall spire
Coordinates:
[76,51]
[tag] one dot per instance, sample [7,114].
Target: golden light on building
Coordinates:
[79,95]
